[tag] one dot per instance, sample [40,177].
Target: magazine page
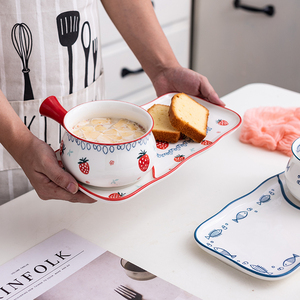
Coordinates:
[66,266]
[45,265]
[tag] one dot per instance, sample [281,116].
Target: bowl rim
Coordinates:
[123,262]
[149,131]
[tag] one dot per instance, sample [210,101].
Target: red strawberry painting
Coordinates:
[206,142]
[116,195]
[84,166]
[162,145]
[179,158]
[222,122]
[143,160]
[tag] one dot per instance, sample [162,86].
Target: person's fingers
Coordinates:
[47,189]
[62,178]
[51,169]
[80,197]
[52,182]
[209,93]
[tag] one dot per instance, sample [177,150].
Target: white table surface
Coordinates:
[155,229]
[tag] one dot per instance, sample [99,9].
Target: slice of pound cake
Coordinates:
[163,130]
[188,117]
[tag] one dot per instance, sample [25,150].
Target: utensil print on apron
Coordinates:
[22,41]
[95,51]
[68,28]
[86,49]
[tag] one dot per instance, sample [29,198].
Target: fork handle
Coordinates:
[95,63]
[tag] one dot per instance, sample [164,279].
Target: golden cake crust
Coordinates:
[163,130]
[188,116]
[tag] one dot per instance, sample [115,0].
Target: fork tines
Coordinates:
[95,45]
[126,292]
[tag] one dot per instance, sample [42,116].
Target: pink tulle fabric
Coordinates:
[274,128]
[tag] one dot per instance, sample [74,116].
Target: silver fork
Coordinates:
[128,293]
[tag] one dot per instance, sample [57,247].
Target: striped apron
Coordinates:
[46,49]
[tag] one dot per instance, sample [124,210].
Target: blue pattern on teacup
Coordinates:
[107,148]
[298,179]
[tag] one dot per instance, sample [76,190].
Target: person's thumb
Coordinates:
[63,179]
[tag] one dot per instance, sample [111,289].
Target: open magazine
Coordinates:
[66,266]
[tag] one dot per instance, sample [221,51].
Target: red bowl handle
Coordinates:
[51,108]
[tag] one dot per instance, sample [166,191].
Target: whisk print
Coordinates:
[22,41]
[68,30]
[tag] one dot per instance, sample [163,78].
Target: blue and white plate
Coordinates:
[257,233]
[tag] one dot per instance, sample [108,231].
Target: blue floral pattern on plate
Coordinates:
[257,233]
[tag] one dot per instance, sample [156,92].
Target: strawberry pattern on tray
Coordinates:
[170,157]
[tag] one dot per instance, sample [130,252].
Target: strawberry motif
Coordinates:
[222,122]
[143,160]
[206,142]
[116,195]
[84,166]
[162,145]
[179,158]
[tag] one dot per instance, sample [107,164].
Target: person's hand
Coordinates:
[48,179]
[179,79]
[148,42]
[37,159]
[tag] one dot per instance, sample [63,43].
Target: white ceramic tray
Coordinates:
[257,233]
[171,156]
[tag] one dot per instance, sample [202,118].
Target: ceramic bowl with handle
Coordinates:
[99,164]
[292,172]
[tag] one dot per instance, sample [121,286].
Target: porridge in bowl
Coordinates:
[108,130]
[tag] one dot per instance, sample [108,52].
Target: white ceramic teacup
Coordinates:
[99,164]
[292,172]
